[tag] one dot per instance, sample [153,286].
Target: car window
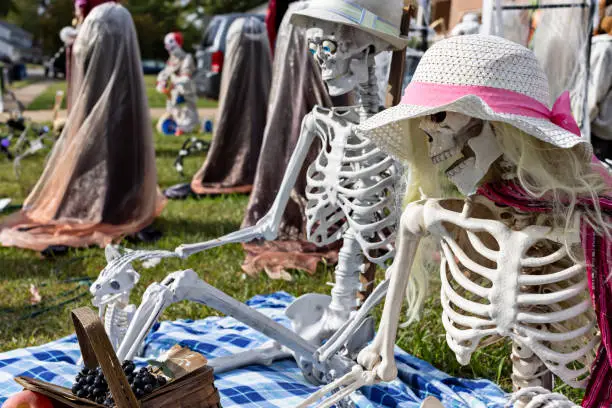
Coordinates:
[211,33]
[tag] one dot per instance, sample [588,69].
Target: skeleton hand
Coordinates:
[379,358]
[162,87]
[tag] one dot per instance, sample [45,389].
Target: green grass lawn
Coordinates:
[156,100]
[187,222]
[46,100]
[23,83]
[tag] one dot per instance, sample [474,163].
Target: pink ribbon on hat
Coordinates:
[503,101]
[561,114]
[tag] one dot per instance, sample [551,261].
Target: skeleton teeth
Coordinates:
[459,167]
[443,156]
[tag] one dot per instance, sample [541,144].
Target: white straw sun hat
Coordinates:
[381,18]
[484,77]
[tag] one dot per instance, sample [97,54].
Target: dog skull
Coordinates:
[342,53]
[469,142]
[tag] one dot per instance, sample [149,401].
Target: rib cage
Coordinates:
[351,184]
[506,274]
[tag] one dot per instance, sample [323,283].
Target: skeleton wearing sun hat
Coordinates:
[525,252]
[176,81]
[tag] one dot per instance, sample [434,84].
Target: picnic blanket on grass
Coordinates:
[280,385]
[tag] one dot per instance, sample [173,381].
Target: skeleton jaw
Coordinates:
[463,172]
[340,83]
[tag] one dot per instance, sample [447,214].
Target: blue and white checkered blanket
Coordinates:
[280,385]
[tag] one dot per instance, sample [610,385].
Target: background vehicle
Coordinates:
[211,53]
[152,67]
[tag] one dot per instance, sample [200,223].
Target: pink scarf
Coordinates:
[598,253]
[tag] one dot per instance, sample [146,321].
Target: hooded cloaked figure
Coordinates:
[296,88]
[100,181]
[241,119]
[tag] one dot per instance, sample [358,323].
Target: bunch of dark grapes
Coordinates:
[91,384]
[142,381]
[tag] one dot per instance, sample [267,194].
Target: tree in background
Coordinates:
[55,16]
[7,6]
[152,18]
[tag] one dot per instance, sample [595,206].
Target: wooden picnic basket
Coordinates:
[193,390]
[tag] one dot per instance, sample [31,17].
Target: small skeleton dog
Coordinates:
[176,81]
[351,196]
[531,238]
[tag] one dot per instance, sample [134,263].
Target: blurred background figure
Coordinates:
[100,181]
[274,18]
[600,85]
[241,118]
[470,24]
[176,81]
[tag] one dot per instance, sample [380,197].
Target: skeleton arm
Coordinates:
[379,355]
[163,78]
[267,226]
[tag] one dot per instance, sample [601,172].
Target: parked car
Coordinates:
[152,67]
[211,53]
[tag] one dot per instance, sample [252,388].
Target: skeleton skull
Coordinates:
[342,53]
[469,142]
[107,287]
[173,43]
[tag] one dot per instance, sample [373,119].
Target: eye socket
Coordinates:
[438,117]
[329,46]
[115,285]
[312,47]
